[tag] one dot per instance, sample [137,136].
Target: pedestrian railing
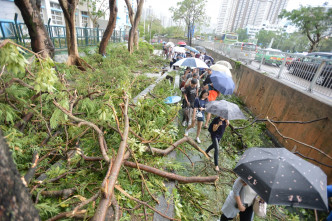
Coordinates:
[19,33]
[310,73]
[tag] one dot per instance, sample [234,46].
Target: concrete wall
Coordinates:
[267,97]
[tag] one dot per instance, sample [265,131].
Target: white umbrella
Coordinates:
[191,62]
[225,63]
[169,44]
[221,68]
[179,49]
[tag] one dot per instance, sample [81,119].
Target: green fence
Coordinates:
[85,36]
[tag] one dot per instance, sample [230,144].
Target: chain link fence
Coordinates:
[311,72]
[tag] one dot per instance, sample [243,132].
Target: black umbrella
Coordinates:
[282,178]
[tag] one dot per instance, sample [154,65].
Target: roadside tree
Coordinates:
[326,45]
[264,37]
[192,12]
[110,27]
[134,20]
[155,27]
[243,36]
[96,9]
[68,7]
[40,40]
[314,22]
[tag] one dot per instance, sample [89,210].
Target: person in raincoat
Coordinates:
[240,200]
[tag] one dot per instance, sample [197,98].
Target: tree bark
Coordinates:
[40,40]
[110,27]
[68,7]
[172,176]
[15,200]
[114,169]
[133,36]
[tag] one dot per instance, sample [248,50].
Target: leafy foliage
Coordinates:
[13,58]
[314,22]
[96,96]
[192,12]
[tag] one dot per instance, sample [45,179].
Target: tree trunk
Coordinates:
[15,200]
[313,46]
[136,38]
[68,7]
[110,27]
[134,25]
[188,33]
[131,40]
[40,39]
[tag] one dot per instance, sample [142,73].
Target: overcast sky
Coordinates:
[162,6]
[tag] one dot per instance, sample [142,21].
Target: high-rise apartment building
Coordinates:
[235,14]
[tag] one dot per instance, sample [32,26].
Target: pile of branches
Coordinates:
[83,140]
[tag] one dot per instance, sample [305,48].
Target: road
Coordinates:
[323,93]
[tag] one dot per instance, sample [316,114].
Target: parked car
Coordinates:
[243,51]
[307,66]
[272,57]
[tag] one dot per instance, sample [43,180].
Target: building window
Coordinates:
[57,17]
[55,5]
[56,13]
[85,18]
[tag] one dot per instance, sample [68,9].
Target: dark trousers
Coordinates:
[244,216]
[215,145]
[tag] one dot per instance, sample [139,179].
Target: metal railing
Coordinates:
[308,72]
[85,36]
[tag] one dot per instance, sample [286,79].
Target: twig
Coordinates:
[307,145]
[192,164]
[116,208]
[281,122]
[31,172]
[65,193]
[141,202]
[116,119]
[172,176]
[147,188]
[79,214]
[309,158]
[80,152]
[93,198]
[101,138]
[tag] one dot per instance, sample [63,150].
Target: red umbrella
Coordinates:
[182,43]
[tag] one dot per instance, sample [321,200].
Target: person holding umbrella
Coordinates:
[240,199]
[225,111]
[216,129]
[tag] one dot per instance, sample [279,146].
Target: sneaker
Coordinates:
[198,140]
[217,169]
[184,123]
[205,127]
[186,132]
